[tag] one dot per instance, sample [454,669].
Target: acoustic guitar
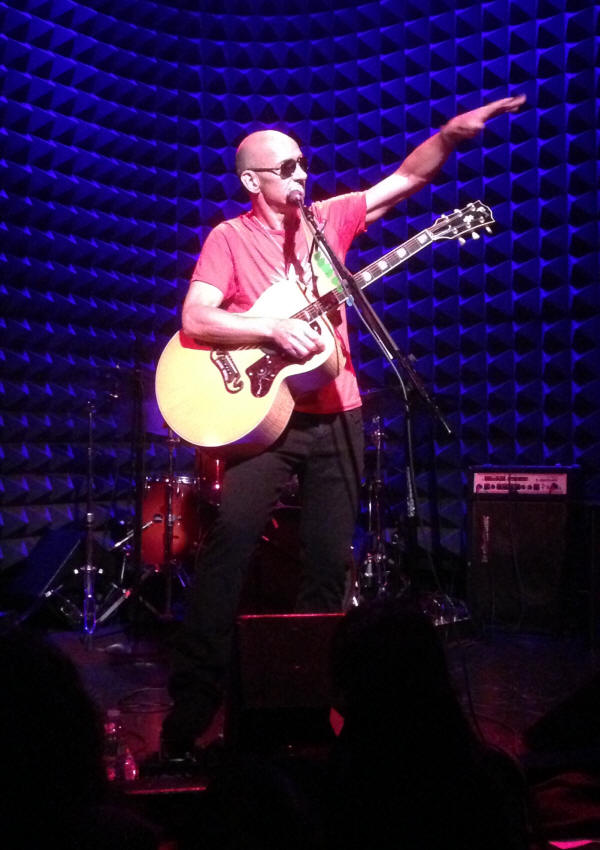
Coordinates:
[238,400]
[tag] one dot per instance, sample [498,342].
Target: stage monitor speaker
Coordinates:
[47,578]
[282,692]
[521,570]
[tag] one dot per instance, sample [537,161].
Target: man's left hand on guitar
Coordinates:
[296,338]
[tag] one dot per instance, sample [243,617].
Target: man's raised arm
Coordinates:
[421,166]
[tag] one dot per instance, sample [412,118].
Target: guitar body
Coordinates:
[239,400]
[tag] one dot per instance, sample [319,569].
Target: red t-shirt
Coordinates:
[242,257]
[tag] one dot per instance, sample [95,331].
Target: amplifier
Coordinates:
[522,481]
[522,546]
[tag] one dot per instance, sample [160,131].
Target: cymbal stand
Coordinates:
[374,573]
[170,563]
[89,569]
[131,575]
[88,614]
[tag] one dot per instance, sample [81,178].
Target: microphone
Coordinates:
[295,197]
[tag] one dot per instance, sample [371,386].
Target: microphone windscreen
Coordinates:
[295,197]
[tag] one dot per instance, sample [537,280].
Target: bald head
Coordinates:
[262,149]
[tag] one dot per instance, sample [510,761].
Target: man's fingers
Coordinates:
[506,104]
[297,338]
[467,125]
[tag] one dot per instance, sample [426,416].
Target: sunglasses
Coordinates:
[286,168]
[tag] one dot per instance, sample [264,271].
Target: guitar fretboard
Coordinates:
[393,259]
[368,275]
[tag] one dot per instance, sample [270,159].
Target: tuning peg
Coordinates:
[457,211]
[475,235]
[488,230]
[461,240]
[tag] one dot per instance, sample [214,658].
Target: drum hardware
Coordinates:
[210,470]
[129,535]
[121,590]
[115,596]
[120,582]
[125,588]
[183,527]
[377,568]
[149,420]
[388,568]
[131,388]
[169,535]
[171,564]
[86,613]
[169,522]
[172,514]
[89,569]
[167,506]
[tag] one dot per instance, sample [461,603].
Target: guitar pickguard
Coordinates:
[265,370]
[263,373]
[229,371]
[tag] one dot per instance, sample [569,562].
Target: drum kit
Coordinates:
[174,512]
[160,536]
[177,510]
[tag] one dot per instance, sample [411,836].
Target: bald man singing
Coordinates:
[323,441]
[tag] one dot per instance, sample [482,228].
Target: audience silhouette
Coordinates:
[259,801]
[51,737]
[407,769]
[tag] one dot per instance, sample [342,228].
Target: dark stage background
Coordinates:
[121,120]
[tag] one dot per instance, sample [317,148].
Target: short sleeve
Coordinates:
[215,263]
[344,217]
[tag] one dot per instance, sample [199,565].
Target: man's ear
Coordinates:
[250,182]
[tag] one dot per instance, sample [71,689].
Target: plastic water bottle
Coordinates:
[112,734]
[127,769]
[119,761]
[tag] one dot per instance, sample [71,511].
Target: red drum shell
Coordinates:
[184,509]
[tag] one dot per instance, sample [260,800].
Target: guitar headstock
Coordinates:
[458,224]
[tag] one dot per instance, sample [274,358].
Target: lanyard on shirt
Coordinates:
[324,277]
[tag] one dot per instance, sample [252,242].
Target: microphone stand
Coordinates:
[395,357]
[355,297]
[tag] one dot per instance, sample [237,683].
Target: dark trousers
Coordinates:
[326,452]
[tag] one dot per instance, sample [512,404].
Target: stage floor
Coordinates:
[507,680]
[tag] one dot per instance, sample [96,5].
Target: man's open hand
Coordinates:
[467,125]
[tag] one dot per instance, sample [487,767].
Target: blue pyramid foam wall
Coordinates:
[120,126]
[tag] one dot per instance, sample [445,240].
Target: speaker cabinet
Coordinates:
[282,692]
[525,568]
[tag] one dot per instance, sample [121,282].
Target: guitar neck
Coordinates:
[455,225]
[328,302]
[393,259]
